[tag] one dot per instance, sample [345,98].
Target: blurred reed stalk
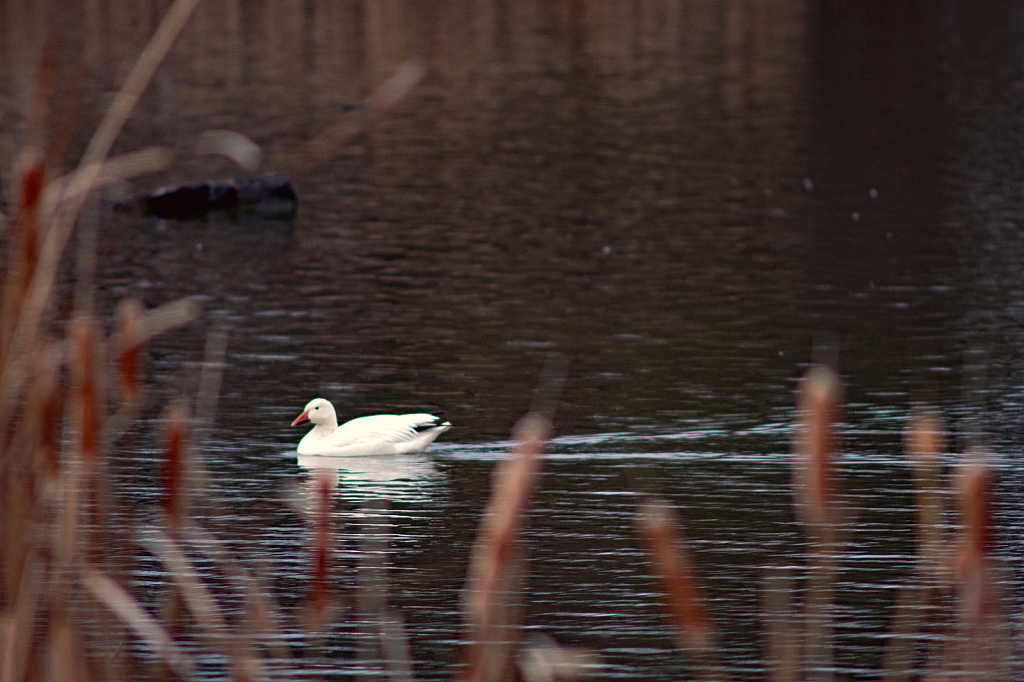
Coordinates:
[983,635]
[492,600]
[925,598]
[924,442]
[951,619]
[53,525]
[817,506]
[661,530]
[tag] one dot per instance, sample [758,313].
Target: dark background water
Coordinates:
[685,198]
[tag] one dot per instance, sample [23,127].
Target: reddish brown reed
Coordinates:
[45,404]
[983,644]
[26,225]
[29,176]
[817,506]
[129,336]
[492,597]
[924,441]
[922,603]
[29,468]
[819,403]
[173,477]
[87,394]
[660,528]
[974,494]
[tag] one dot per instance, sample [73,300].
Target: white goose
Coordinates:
[382,434]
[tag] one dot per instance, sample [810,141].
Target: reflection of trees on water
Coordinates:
[294,57]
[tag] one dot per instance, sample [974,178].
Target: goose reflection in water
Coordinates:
[401,478]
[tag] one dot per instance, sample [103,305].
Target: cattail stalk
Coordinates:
[175,467]
[129,338]
[920,602]
[25,255]
[87,359]
[983,638]
[817,506]
[492,597]
[660,529]
[924,441]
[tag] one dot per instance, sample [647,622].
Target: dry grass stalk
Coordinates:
[87,387]
[984,646]
[817,506]
[127,343]
[174,474]
[492,596]
[395,647]
[924,442]
[262,621]
[63,654]
[921,603]
[132,614]
[233,145]
[659,525]
[17,643]
[167,316]
[203,607]
[84,180]
[384,98]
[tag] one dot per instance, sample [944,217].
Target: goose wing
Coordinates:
[386,428]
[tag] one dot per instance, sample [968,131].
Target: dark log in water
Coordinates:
[270,196]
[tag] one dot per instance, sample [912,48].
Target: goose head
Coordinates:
[319,412]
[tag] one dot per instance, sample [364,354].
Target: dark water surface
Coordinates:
[681,197]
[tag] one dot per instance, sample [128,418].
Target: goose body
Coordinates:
[381,434]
